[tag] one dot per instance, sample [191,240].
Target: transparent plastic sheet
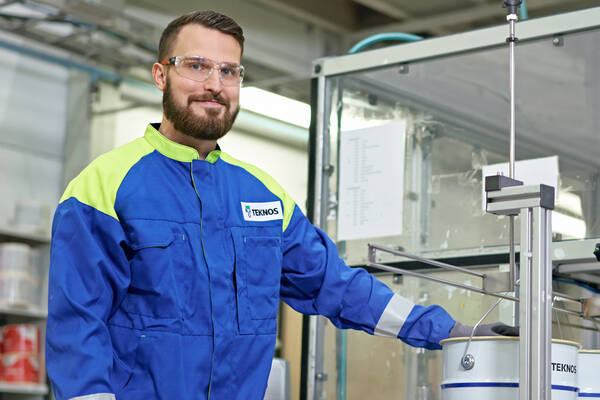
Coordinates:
[456,111]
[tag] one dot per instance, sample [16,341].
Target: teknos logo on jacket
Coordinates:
[262,211]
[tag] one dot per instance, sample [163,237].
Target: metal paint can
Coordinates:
[495,372]
[21,338]
[21,368]
[588,374]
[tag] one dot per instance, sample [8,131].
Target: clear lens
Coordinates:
[199,69]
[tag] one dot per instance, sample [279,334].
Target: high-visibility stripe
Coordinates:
[95,396]
[393,317]
[98,183]
[169,148]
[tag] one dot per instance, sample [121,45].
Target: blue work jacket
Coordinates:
[166,274]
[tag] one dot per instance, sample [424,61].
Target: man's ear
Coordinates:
[159,73]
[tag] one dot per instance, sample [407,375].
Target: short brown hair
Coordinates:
[209,19]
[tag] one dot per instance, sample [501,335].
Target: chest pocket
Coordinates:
[159,256]
[258,274]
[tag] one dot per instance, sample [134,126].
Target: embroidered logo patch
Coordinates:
[268,211]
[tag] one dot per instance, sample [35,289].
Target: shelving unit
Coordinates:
[30,314]
[23,389]
[9,234]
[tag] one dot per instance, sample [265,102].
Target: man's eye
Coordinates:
[228,71]
[196,66]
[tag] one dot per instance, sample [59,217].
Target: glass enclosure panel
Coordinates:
[456,114]
[456,110]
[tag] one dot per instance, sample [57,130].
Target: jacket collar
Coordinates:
[174,150]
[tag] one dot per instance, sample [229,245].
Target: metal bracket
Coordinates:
[511,200]
[497,282]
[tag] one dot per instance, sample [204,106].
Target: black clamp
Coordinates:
[597,251]
[498,182]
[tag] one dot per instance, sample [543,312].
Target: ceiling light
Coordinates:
[275,106]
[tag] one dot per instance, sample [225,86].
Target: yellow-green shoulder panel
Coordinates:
[268,181]
[98,183]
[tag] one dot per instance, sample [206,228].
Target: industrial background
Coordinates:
[76,83]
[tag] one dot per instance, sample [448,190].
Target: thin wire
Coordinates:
[558,323]
[477,324]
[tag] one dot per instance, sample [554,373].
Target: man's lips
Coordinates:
[210,101]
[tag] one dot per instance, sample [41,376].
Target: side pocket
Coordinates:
[258,273]
[137,347]
[141,338]
[125,343]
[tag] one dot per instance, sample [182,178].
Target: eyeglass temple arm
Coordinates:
[168,61]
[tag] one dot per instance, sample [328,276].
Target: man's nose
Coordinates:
[213,82]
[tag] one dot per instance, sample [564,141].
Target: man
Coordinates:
[169,256]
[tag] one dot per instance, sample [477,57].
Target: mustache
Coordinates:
[208,97]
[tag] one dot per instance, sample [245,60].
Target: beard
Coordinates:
[209,127]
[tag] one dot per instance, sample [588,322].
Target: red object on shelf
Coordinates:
[20,368]
[21,338]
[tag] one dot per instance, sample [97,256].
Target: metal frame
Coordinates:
[437,47]
[534,204]
[457,43]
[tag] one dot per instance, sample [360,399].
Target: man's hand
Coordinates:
[495,329]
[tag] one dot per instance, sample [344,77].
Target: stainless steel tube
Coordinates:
[438,280]
[425,260]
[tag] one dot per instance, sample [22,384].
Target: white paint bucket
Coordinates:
[18,288]
[15,257]
[588,375]
[495,373]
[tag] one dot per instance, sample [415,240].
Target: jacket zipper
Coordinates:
[212,360]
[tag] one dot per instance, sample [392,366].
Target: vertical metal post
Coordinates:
[315,360]
[314,364]
[525,307]
[421,144]
[536,304]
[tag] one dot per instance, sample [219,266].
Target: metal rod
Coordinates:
[580,315]
[438,280]
[568,298]
[426,261]
[589,328]
[512,18]
[511,232]
[567,311]
[464,356]
[475,289]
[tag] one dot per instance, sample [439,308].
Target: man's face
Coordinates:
[203,110]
